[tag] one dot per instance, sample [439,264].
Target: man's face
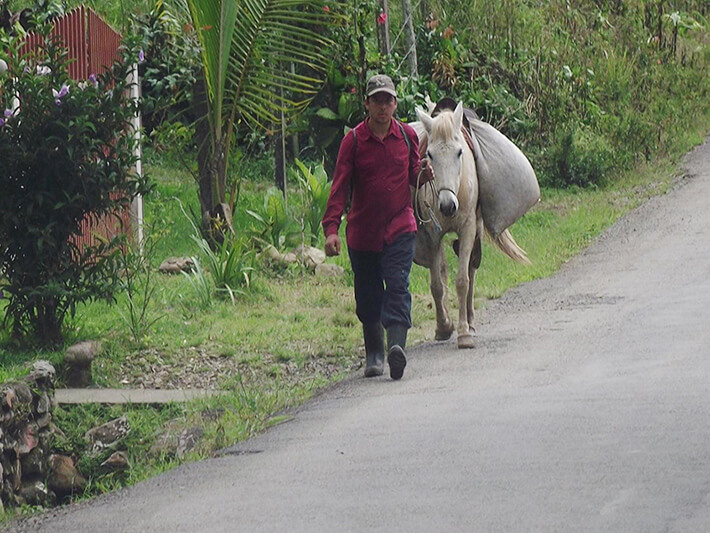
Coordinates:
[380,107]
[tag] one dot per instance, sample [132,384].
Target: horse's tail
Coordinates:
[506,243]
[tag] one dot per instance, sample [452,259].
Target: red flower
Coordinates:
[382,18]
[326,9]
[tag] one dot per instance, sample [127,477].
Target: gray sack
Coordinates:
[507,183]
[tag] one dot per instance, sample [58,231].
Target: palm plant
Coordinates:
[263,62]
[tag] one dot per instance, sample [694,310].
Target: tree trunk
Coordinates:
[383,29]
[211,167]
[204,147]
[409,38]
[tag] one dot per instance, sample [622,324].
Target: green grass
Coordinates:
[291,334]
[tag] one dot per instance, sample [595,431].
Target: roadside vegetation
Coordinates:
[603,96]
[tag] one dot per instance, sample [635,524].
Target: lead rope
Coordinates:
[417,206]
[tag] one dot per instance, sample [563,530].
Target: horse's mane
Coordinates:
[443,126]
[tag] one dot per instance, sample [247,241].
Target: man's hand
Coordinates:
[426,173]
[332,245]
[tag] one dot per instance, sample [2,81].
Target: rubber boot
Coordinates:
[374,335]
[396,341]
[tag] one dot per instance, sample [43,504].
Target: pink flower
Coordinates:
[326,9]
[382,18]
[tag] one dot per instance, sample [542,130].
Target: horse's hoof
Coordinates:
[465,341]
[443,334]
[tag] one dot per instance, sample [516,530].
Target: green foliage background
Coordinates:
[603,96]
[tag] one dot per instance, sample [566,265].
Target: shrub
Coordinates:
[579,157]
[67,153]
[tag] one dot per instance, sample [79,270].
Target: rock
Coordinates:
[35,493]
[27,439]
[187,440]
[272,253]
[14,395]
[175,441]
[175,265]
[107,434]
[289,258]
[43,373]
[34,464]
[77,360]
[64,478]
[310,257]
[44,404]
[116,462]
[329,270]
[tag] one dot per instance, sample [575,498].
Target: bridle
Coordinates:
[435,192]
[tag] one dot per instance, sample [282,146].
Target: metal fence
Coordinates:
[92,45]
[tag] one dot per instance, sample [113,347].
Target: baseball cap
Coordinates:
[380,83]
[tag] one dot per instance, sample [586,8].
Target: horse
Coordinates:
[451,204]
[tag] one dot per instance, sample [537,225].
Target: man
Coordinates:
[377,162]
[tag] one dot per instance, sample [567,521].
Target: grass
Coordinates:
[289,336]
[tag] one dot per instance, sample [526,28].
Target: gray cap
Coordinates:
[380,83]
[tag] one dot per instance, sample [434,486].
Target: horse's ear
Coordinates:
[458,115]
[424,118]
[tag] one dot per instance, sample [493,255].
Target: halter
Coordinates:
[435,192]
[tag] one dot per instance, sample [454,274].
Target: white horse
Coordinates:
[450,204]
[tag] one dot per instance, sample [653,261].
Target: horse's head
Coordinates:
[445,151]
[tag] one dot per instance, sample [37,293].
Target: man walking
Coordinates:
[377,162]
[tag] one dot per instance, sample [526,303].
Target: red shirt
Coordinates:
[381,173]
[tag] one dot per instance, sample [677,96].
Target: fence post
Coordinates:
[137,203]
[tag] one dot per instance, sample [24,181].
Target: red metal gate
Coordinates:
[93,46]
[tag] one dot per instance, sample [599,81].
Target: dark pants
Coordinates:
[382,283]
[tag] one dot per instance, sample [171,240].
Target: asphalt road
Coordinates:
[584,407]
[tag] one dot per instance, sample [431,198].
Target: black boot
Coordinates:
[396,341]
[374,349]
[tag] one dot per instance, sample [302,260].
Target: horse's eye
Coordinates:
[460,152]
[428,154]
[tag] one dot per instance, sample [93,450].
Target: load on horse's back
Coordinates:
[482,181]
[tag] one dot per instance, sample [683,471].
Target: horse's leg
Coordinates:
[438,274]
[464,287]
[475,263]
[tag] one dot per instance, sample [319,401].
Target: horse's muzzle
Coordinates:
[448,203]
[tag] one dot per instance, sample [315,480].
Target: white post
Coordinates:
[137,204]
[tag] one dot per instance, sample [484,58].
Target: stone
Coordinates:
[289,258]
[272,253]
[116,462]
[14,395]
[187,440]
[77,361]
[175,265]
[34,464]
[44,404]
[64,478]
[310,257]
[43,373]
[35,493]
[107,434]
[27,439]
[329,270]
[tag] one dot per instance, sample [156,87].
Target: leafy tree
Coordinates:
[262,60]
[67,153]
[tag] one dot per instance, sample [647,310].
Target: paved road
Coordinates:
[583,408]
